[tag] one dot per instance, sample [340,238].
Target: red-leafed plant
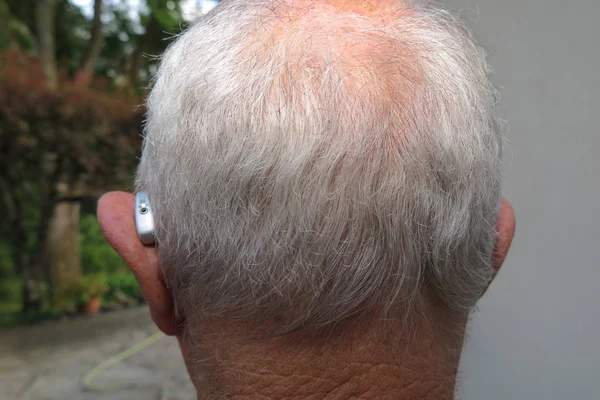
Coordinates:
[56,145]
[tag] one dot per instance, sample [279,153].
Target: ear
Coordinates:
[116,218]
[505,225]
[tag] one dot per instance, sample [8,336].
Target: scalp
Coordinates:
[360,7]
[363,45]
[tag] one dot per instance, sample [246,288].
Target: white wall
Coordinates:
[537,333]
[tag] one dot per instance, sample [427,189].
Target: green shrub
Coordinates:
[79,291]
[97,257]
[7,265]
[126,284]
[11,293]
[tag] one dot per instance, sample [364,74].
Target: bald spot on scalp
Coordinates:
[357,39]
[360,7]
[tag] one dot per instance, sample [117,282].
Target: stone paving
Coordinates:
[48,361]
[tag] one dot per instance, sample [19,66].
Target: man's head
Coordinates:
[311,162]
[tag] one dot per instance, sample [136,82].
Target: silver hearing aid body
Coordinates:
[144,219]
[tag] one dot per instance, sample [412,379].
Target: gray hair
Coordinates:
[306,164]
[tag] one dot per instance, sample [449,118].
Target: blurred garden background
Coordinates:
[73,77]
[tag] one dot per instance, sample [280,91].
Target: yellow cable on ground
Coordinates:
[92,374]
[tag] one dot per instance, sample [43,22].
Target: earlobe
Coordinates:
[116,218]
[505,225]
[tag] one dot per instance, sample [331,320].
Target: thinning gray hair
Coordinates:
[305,164]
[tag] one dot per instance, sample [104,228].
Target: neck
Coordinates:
[363,358]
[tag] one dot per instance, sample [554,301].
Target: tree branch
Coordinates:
[86,72]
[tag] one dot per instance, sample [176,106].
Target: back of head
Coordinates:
[308,160]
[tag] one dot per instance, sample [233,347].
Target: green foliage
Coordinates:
[72,34]
[97,257]
[7,261]
[11,289]
[11,294]
[12,30]
[83,137]
[77,292]
[30,221]
[21,34]
[117,291]
[167,13]
[126,284]
[71,136]
[5,17]
[23,11]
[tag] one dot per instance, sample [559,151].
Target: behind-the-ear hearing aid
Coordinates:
[144,220]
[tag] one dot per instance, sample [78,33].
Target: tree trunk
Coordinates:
[45,12]
[62,239]
[62,246]
[86,72]
[58,236]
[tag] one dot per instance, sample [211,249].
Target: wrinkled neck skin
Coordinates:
[363,358]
